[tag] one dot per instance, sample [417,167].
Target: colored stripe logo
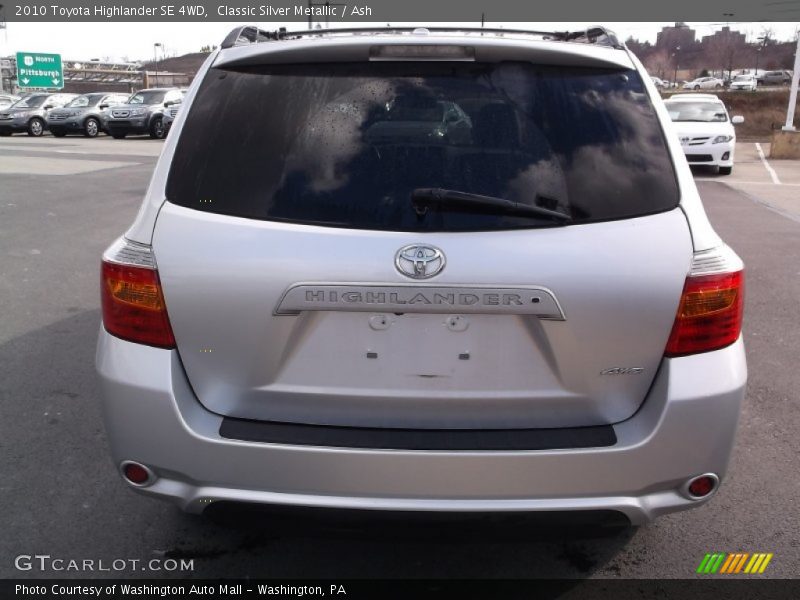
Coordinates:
[732,563]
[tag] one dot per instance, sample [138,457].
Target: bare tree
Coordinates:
[724,51]
[658,64]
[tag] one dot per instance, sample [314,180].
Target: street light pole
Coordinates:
[762,43]
[155,55]
[675,56]
[3,27]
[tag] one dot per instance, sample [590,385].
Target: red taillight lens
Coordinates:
[133,305]
[710,314]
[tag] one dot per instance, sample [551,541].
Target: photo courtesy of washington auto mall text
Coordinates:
[389,300]
[166,590]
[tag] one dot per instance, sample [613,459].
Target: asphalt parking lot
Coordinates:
[63,200]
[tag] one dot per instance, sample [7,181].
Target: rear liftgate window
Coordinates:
[345,145]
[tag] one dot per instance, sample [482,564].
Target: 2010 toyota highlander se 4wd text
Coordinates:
[423,270]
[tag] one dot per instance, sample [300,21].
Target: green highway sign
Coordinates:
[38,70]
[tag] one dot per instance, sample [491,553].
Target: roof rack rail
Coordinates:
[242,36]
[594,35]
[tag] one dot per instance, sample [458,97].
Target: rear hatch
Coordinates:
[304,286]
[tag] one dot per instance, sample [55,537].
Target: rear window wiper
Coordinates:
[423,198]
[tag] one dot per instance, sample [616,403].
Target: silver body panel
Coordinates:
[252,343]
[153,417]
[224,277]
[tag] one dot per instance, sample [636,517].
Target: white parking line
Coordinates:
[769,169]
[731,181]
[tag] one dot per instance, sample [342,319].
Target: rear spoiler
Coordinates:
[243,36]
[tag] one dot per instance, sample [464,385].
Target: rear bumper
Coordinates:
[685,428]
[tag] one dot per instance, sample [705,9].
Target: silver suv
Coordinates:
[532,315]
[143,113]
[84,115]
[29,114]
[775,78]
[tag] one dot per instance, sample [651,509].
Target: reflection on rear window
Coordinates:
[147,98]
[345,144]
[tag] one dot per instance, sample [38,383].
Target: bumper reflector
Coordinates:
[702,486]
[136,473]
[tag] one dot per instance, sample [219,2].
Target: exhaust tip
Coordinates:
[702,486]
[137,474]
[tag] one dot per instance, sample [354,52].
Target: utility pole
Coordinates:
[793,94]
[3,27]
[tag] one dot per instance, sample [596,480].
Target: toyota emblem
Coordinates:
[419,261]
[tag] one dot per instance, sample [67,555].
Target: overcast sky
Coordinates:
[84,41]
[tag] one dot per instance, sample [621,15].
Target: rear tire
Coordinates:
[718,86]
[725,170]
[118,135]
[91,128]
[157,131]
[36,127]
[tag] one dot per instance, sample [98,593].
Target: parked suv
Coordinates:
[705,130]
[537,317]
[30,113]
[143,113]
[82,115]
[775,78]
[415,116]
[171,111]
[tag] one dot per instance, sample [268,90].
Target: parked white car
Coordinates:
[744,82]
[705,129]
[704,83]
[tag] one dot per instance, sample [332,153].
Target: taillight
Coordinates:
[133,303]
[709,315]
